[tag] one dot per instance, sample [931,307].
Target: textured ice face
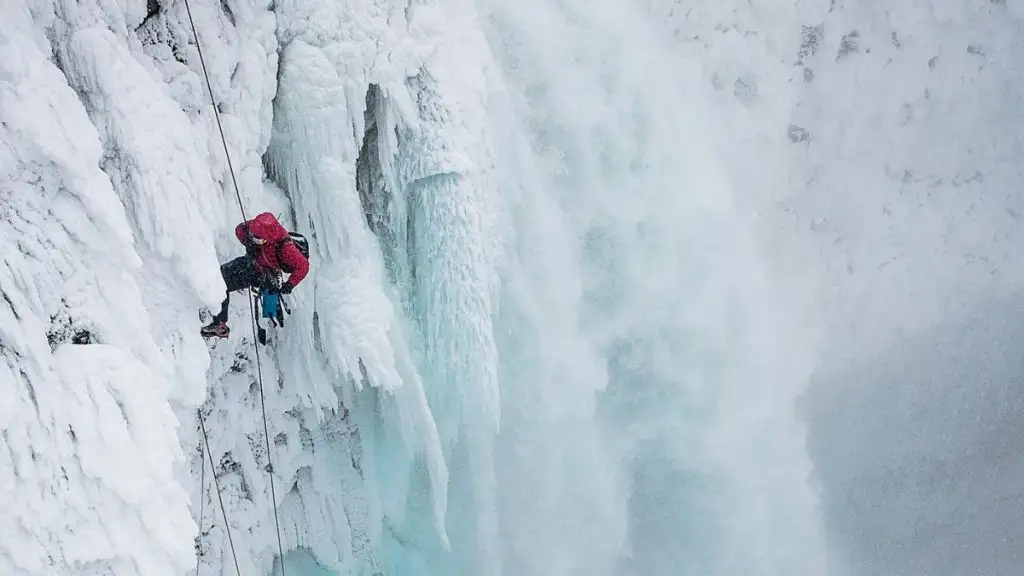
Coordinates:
[95,355]
[562,261]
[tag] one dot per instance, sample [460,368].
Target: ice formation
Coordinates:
[550,326]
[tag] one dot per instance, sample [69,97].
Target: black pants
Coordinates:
[238,274]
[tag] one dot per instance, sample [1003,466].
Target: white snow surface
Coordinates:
[571,263]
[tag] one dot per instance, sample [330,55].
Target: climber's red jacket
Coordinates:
[266,227]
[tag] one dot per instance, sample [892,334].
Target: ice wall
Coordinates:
[114,204]
[100,210]
[106,112]
[406,310]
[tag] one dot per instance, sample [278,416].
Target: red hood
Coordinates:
[272,255]
[267,227]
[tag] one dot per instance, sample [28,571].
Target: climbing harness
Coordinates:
[252,311]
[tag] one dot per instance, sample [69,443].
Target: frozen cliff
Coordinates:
[572,262]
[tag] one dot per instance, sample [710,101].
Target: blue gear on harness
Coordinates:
[270,301]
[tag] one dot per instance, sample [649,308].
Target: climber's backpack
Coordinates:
[295,238]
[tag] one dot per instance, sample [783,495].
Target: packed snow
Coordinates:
[572,263]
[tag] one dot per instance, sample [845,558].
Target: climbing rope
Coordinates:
[202,497]
[216,112]
[252,309]
[216,483]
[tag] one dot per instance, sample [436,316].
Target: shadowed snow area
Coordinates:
[597,287]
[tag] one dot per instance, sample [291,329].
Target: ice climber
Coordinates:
[269,251]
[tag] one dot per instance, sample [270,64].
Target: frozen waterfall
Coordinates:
[533,291]
[573,263]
